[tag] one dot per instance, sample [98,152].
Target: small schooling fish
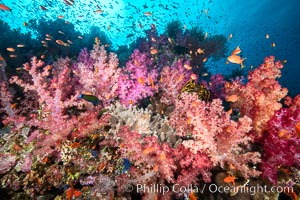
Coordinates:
[4,7]
[230,179]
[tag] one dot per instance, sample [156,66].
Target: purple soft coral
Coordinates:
[137,80]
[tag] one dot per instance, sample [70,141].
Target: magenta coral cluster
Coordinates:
[138,79]
[281,143]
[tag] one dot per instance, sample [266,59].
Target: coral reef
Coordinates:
[88,128]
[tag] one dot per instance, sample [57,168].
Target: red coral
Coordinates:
[281,143]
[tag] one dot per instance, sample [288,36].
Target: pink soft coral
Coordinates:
[55,97]
[158,163]
[210,131]
[259,98]
[98,73]
[172,79]
[147,152]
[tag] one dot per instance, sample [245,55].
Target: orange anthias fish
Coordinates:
[292,194]
[4,7]
[200,51]
[187,66]
[232,98]
[153,51]
[151,82]
[17,147]
[297,128]
[71,192]
[148,14]
[98,11]
[10,49]
[97,41]
[192,196]
[60,42]
[45,160]
[284,134]
[101,166]
[75,145]
[141,80]
[236,59]
[230,179]
[273,44]
[194,76]
[236,51]
[229,111]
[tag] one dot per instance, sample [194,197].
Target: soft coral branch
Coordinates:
[210,131]
[281,143]
[55,96]
[98,73]
[260,97]
[138,79]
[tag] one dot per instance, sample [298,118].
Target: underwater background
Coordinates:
[119,99]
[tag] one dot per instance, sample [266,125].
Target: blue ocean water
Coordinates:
[247,21]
